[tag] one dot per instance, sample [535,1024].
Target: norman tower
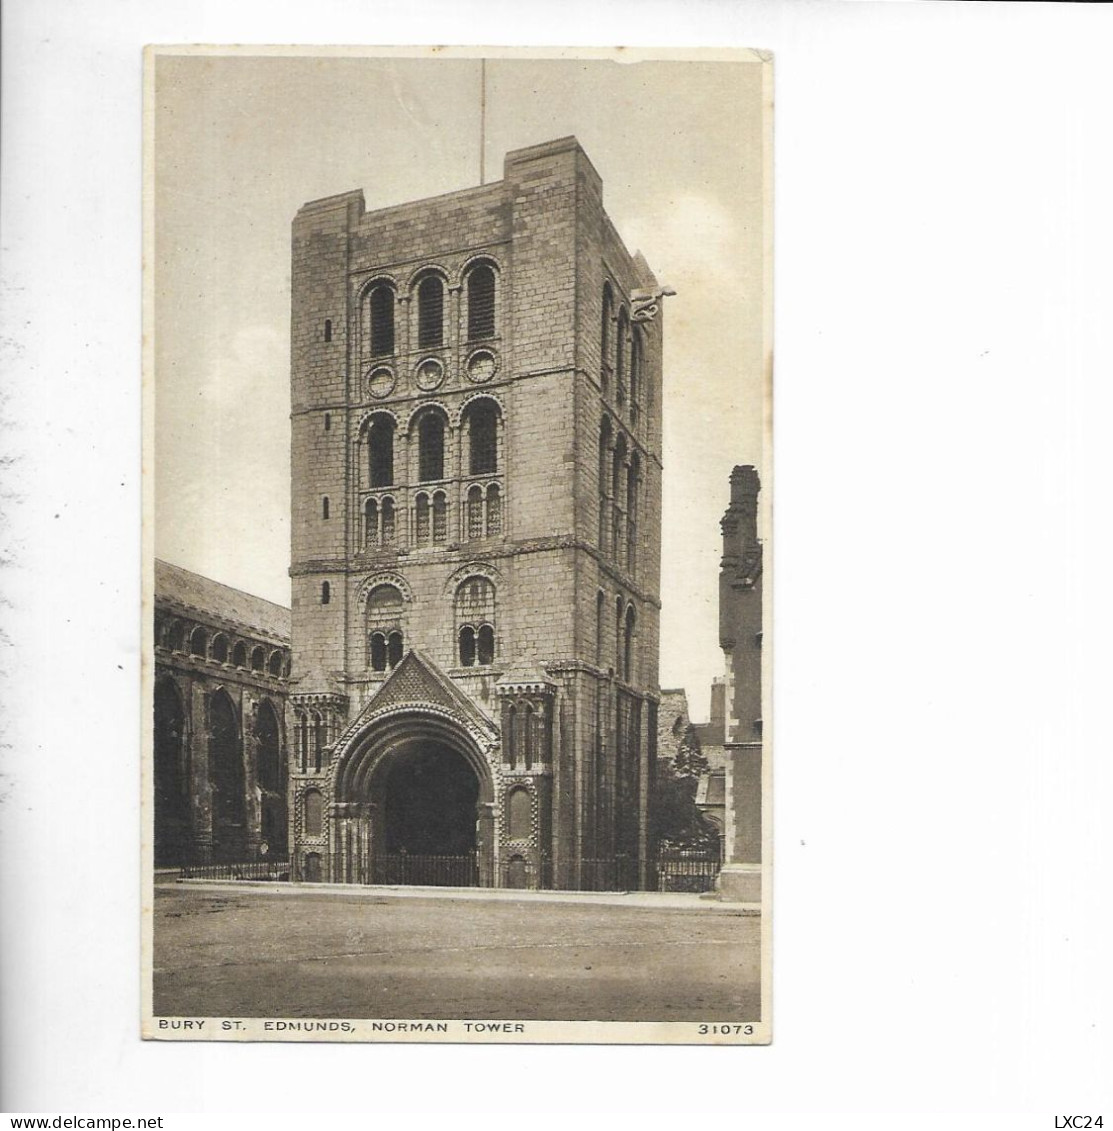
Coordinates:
[476,424]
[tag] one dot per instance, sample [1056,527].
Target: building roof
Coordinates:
[210,598]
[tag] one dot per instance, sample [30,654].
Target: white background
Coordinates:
[944,273]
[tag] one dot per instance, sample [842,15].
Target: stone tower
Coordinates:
[476,428]
[740,636]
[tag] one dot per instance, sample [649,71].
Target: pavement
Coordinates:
[235,949]
[685,901]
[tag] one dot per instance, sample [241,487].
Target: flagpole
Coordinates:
[482,119]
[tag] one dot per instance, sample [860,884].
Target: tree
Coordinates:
[675,820]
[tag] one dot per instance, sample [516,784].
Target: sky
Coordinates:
[242,141]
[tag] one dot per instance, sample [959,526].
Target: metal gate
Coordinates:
[403,868]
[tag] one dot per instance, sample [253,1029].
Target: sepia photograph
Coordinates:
[457,401]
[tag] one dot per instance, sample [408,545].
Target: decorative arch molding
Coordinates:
[484,395]
[429,406]
[478,259]
[371,413]
[472,569]
[366,286]
[171,681]
[376,738]
[230,691]
[257,704]
[385,577]
[419,273]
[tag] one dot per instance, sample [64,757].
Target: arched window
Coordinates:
[175,637]
[421,519]
[274,665]
[324,506]
[430,313]
[467,646]
[384,627]
[430,446]
[318,742]
[314,812]
[380,451]
[475,621]
[510,737]
[198,642]
[268,750]
[388,521]
[226,779]
[481,303]
[475,511]
[220,648]
[440,517]
[605,337]
[381,308]
[485,641]
[628,646]
[520,814]
[633,477]
[326,596]
[620,355]
[239,654]
[618,650]
[328,329]
[259,657]
[529,736]
[494,510]
[371,523]
[172,773]
[600,604]
[636,360]
[303,728]
[605,437]
[618,469]
[482,421]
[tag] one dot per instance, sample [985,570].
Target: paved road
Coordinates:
[241,952]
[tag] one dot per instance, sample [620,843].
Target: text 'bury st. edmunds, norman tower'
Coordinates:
[476,421]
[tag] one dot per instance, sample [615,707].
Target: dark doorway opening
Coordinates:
[430,795]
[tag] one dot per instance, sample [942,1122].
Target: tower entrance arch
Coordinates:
[414,804]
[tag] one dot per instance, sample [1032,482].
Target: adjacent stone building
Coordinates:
[221,661]
[740,635]
[476,469]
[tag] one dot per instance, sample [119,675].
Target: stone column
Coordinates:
[457,333]
[249,751]
[201,801]
[402,329]
[485,828]
[740,878]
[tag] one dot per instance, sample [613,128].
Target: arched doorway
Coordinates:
[226,780]
[172,824]
[270,776]
[429,798]
[414,805]
[426,794]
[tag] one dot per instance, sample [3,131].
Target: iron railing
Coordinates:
[687,871]
[523,874]
[425,871]
[275,870]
